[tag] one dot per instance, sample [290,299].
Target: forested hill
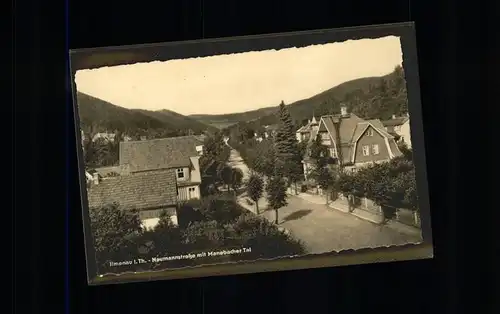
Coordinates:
[97,115]
[370,97]
[225,120]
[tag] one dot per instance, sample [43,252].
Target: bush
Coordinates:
[303,188]
[221,209]
[203,235]
[116,233]
[189,212]
[264,238]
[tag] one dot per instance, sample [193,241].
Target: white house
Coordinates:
[399,127]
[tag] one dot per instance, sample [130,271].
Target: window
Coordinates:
[375,149]
[366,150]
[332,153]
[191,189]
[325,136]
[369,132]
[180,173]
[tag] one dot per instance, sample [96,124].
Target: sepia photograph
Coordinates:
[248,156]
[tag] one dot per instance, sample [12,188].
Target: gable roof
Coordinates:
[173,152]
[308,127]
[347,126]
[137,191]
[350,129]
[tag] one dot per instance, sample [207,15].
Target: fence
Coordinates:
[402,215]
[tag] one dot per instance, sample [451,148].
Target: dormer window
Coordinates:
[180,173]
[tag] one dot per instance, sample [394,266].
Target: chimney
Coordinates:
[343,110]
[199,149]
[95,178]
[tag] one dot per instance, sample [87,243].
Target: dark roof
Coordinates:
[350,129]
[173,152]
[308,127]
[347,126]
[137,191]
[395,122]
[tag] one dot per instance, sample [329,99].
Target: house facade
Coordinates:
[172,162]
[352,141]
[307,133]
[399,127]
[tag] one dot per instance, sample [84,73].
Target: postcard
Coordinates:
[251,154]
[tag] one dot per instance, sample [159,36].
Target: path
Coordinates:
[236,161]
[321,228]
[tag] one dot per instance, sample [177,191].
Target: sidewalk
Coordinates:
[363,214]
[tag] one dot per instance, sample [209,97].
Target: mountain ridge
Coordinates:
[97,115]
[315,101]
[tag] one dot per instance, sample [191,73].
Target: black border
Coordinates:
[112,56]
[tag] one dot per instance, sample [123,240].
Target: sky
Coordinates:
[240,82]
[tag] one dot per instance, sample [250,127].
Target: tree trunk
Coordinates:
[276,216]
[257,206]
[326,195]
[296,189]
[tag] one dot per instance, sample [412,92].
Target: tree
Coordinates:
[252,231]
[321,172]
[95,152]
[236,179]
[116,234]
[407,152]
[222,209]
[390,185]
[288,158]
[204,235]
[255,188]
[325,179]
[190,212]
[265,156]
[276,195]
[165,239]
[225,174]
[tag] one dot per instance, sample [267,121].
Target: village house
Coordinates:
[155,159]
[399,127]
[258,137]
[107,137]
[150,193]
[270,130]
[352,141]
[180,153]
[308,132]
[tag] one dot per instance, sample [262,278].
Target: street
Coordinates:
[321,228]
[236,161]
